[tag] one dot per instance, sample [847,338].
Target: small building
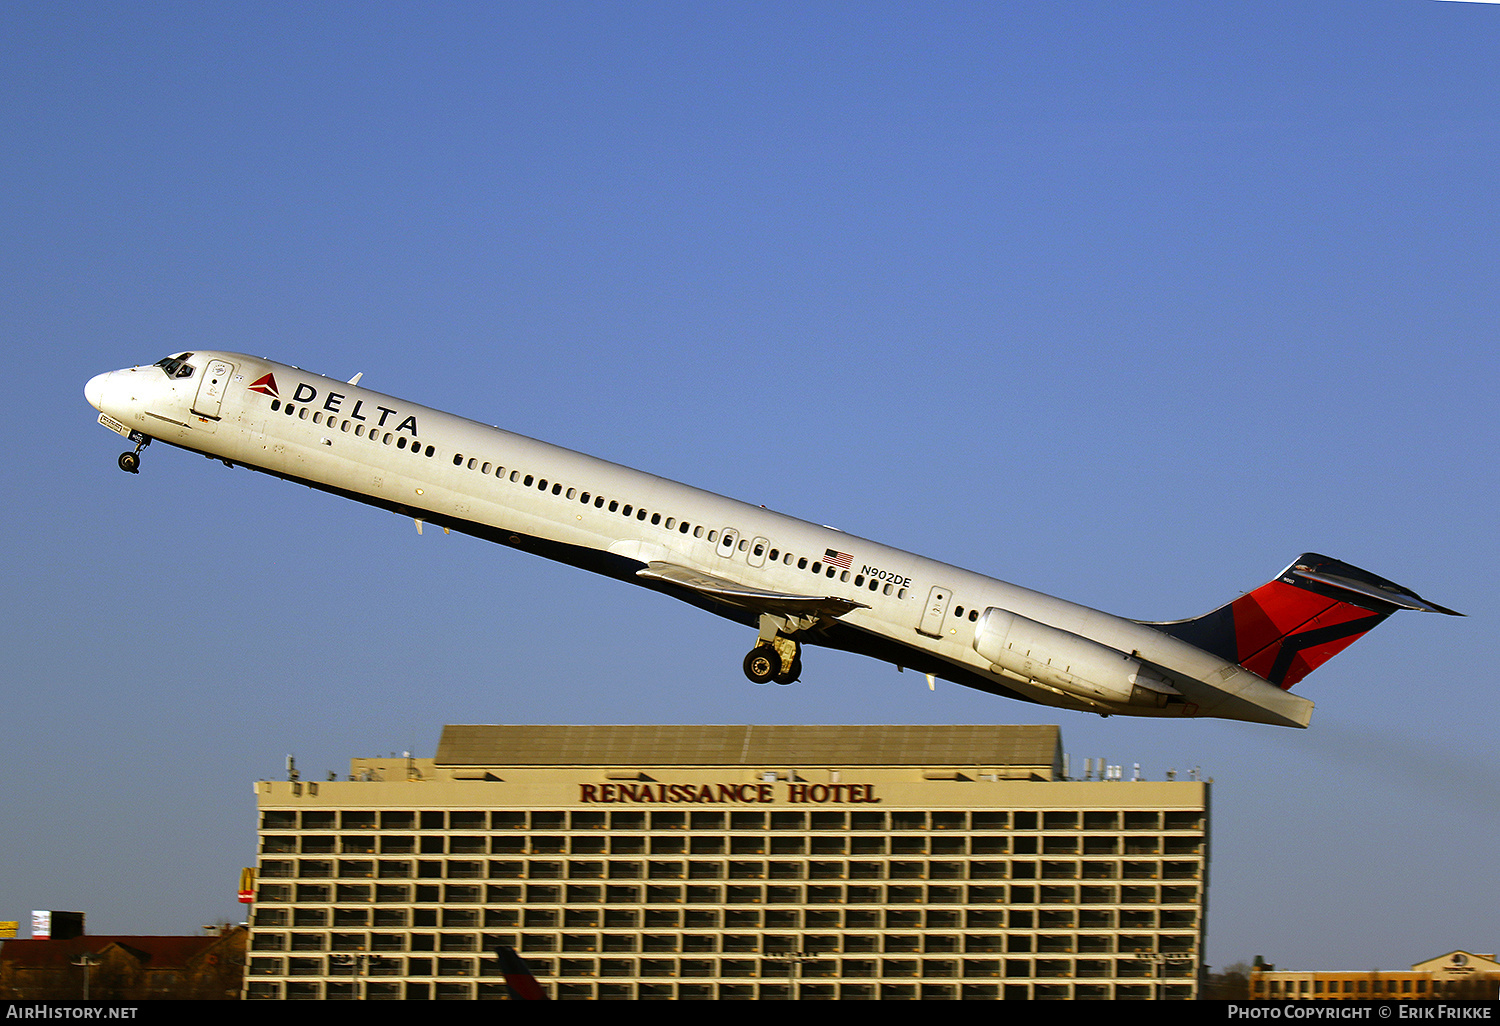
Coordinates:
[1455,976]
[731,862]
[129,968]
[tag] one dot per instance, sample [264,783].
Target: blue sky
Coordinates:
[1128,303]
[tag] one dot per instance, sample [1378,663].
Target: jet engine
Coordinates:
[1034,652]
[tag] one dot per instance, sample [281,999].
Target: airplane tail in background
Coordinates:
[1312,611]
[518,976]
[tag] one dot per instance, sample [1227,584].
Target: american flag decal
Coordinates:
[838,559]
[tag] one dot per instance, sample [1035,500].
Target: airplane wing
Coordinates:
[784,603]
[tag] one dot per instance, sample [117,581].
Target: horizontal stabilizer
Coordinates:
[1365,588]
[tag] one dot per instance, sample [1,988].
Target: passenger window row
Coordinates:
[625,509]
[357,428]
[759,548]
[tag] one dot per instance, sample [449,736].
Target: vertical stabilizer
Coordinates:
[1288,627]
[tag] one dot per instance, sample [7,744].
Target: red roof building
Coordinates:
[202,968]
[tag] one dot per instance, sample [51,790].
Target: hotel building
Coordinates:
[731,862]
[1455,976]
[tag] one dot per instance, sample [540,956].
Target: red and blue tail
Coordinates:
[519,980]
[1312,611]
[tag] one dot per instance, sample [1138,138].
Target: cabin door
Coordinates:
[934,611]
[728,538]
[211,388]
[757,556]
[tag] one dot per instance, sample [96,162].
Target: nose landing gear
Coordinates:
[130,462]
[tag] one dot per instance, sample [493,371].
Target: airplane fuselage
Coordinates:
[790,578]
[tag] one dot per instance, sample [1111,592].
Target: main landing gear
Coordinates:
[765,664]
[775,657]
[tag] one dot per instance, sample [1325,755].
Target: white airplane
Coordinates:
[797,582]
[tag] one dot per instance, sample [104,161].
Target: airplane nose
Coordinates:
[94,390]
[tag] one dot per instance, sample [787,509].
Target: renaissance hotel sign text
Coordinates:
[719,794]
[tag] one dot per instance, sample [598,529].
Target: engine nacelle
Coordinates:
[1032,651]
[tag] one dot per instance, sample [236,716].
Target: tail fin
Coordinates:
[1312,611]
[519,980]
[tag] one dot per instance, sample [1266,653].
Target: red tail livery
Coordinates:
[1312,611]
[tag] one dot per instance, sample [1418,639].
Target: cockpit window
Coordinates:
[176,366]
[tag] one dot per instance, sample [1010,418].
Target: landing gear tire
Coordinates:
[762,664]
[792,674]
[130,462]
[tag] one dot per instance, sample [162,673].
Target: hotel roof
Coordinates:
[478,745]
